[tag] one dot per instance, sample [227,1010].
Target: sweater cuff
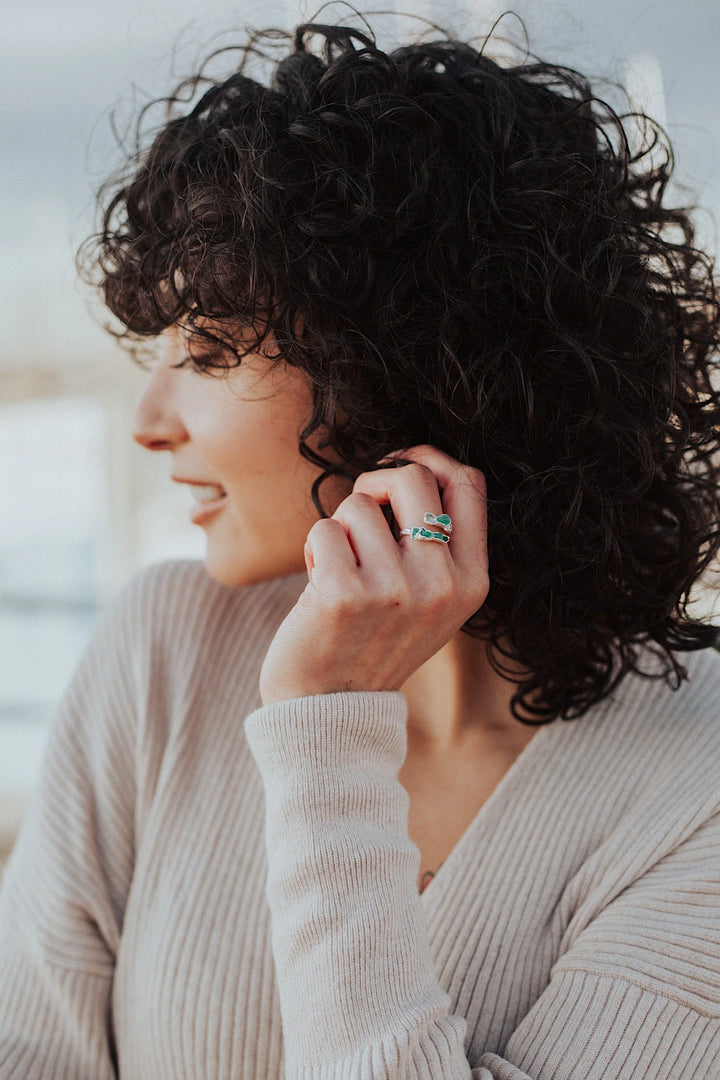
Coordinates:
[346,728]
[355,975]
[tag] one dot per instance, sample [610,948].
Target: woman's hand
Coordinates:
[376,608]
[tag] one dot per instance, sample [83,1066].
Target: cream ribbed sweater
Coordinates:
[209,889]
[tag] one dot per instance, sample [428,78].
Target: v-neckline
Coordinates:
[497,795]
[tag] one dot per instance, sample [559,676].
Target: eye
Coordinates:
[209,364]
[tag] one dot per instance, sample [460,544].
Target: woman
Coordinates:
[298,816]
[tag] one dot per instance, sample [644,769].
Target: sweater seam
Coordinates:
[676,999]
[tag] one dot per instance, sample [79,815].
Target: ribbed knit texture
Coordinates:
[206,888]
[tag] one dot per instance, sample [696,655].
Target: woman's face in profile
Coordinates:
[233,438]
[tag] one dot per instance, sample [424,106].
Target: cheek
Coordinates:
[229,441]
[252,446]
[257,460]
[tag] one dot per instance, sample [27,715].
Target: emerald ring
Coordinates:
[418,532]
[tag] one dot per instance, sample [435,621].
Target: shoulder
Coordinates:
[642,786]
[700,690]
[686,715]
[653,746]
[177,600]
[678,711]
[174,648]
[184,623]
[161,586]
[693,720]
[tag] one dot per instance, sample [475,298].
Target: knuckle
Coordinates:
[480,482]
[346,599]
[395,595]
[356,500]
[479,477]
[478,595]
[322,525]
[312,532]
[361,498]
[440,592]
[418,470]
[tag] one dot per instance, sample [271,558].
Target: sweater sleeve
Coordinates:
[359,997]
[64,887]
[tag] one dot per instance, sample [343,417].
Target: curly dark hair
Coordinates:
[479,261]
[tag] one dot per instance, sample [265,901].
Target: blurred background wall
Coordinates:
[83,507]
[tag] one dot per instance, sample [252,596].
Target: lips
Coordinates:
[209,497]
[207,492]
[205,509]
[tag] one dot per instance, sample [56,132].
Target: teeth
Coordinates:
[206,492]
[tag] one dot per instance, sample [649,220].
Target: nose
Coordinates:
[157,424]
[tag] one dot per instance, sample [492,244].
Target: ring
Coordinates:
[418,532]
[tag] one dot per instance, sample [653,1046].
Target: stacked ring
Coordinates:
[418,532]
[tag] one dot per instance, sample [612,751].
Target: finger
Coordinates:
[328,551]
[410,491]
[463,493]
[369,535]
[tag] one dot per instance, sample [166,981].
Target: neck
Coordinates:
[456,698]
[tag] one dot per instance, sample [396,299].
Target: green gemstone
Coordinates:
[428,534]
[443,519]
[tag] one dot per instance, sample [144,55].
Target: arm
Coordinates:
[358,993]
[63,891]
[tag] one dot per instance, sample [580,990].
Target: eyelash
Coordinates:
[206,360]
